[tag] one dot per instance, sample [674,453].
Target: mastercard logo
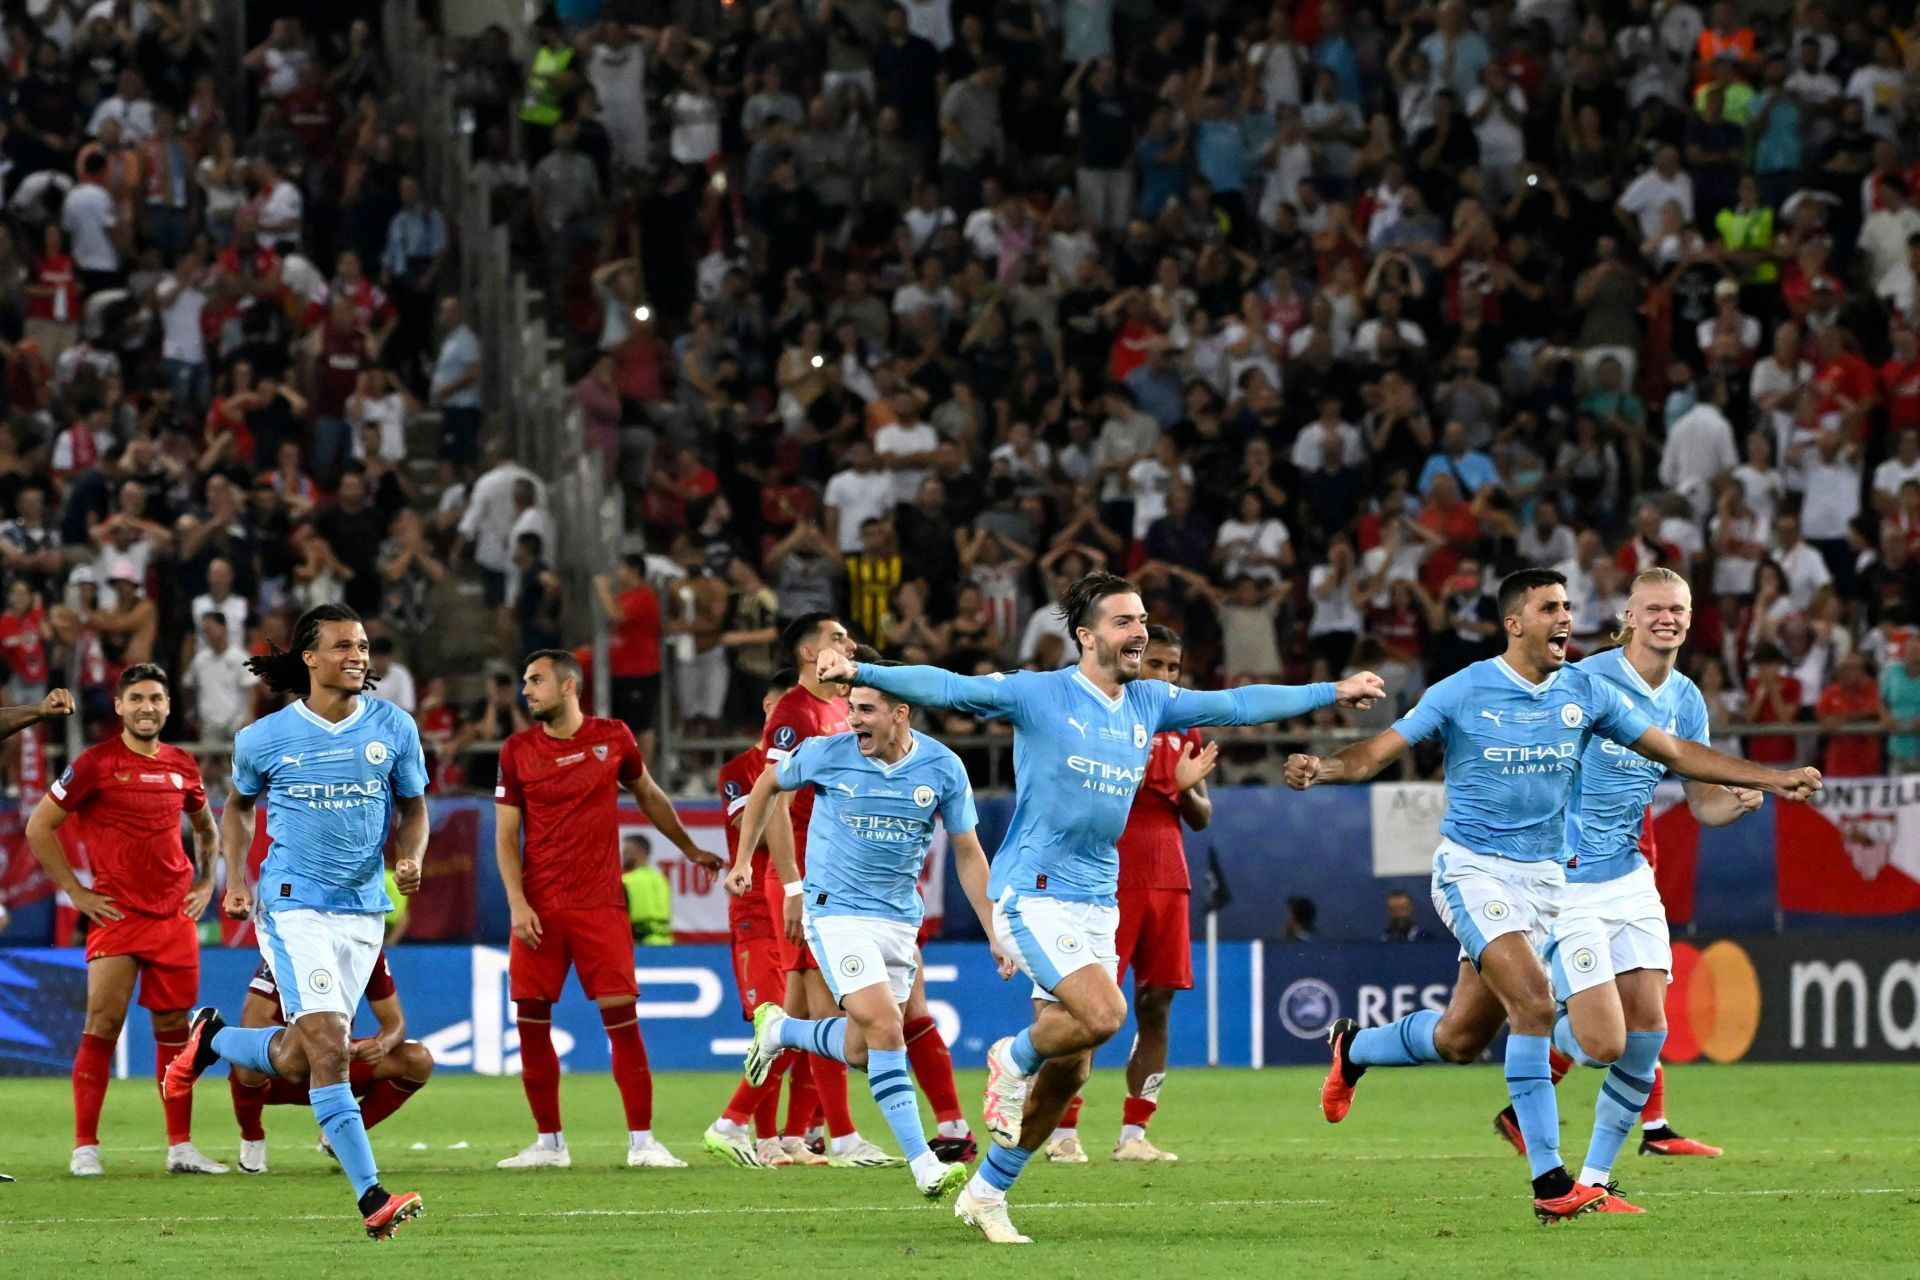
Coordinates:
[1713,1006]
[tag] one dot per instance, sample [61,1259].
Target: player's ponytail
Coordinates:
[285,670]
[1658,576]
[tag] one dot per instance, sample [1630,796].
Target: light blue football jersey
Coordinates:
[1078,758]
[1514,751]
[872,823]
[1616,785]
[329,792]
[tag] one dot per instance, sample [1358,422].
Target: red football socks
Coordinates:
[92,1068]
[1137,1111]
[249,1100]
[630,1070]
[1656,1107]
[1558,1064]
[802,1098]
[539,1064]
[933,1069]
[179,1111]
[385,1098]
[1071,1118]
[830,1083]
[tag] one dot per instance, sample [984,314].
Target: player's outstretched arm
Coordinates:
[46,820]
[1266,703]
[1704,764]
[1357,763]
[1717,806]
[660,812]
[236,837]
[57,704]
[927,686]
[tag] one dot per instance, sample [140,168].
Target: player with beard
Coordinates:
[560,784]
[1516,728]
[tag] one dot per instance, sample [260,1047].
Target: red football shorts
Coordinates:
[167,949]
[759,965]
[793,955]
[597,942]
[1154,939]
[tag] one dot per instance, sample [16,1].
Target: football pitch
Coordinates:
[1821,1177]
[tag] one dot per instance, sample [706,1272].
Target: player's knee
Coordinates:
[1460,1044]
[105,1023]
[1104,1020]
[1603,1046]
[167,1021]
[415,1060]
[1152,1007]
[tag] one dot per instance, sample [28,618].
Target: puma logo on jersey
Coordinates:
[292,760]
[1493,716]
[1081,726]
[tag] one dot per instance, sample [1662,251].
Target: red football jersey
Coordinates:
[796,717]
[1153,853]
[129,807]
[22,645]
[568,793]
[379,985]
[1649,842]
[736,780]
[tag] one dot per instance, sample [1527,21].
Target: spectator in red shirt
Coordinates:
[1448,525]
[1853,698]
[1900,381]
[1846,382]
[1646,549]
[633,646]
[1773,697]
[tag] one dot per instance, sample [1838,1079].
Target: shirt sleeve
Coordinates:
[410,761]
[796,768]
[507,789]
[249,779]
[733,795]
[72,788]
[1249,704]
[380,981]
[196,787]
[1693,719]
[633,765]
[957,812]
[999,694]
[1615,718]
[1431,714]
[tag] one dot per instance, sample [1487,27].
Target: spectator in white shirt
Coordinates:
[906,446]
[487,524]
[1897,288]
[130,106]
[1254,544]
[1498,111]
[220,598]
[395,680]
[282,207]
[1729,333]
[1806,571]
[1699,450]
[1640,204]
[1544,539]
[1888,230]
[94,231]
[1327,434]
[860,493]
[1881,90]
[180,303]
[1902,467]
[1149,479]
[221,684]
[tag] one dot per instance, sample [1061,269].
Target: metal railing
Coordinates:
[524,389]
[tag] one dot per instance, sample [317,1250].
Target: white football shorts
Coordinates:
[1481,897]
[321,960]
[1607,929]
[857,952]
[1050,938]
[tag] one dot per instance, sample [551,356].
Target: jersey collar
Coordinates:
[1634,677]
[353,717]
[1111,704]
[1500,664]
[913,749]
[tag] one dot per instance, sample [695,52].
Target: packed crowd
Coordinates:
[217,319]
[1315,318]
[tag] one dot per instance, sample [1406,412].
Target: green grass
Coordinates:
[1822,1177]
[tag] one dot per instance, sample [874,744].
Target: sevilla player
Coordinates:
[129,794]
[1154,938]
[386,1070]
[812,708]
[559,785]
[759,969]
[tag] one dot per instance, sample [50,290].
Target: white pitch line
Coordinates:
[1279,1202]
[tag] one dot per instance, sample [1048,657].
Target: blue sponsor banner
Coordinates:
[1309,985]
[456,1003]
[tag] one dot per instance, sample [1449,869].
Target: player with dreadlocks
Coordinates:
[334,767]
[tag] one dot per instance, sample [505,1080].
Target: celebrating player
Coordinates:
[1608,954]
[758,970]
[335,767]
[879,787]
[812,708]
[129,794]
[387,1068]
[1515,728]
[1154,938]
[560,781]
[1081,744]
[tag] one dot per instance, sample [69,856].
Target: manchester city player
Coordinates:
[1609,956]
[1516,728]
[1080,746]
[879,787]
[335,766]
